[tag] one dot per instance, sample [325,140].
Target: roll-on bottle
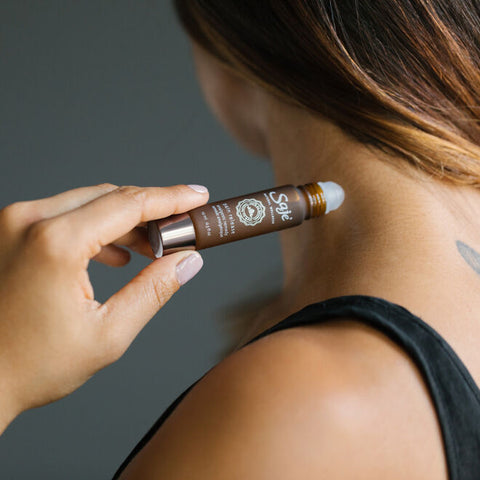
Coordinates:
[245,216]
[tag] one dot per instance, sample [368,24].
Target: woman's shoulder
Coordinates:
[338,397]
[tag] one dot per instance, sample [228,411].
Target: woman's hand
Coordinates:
[54,335]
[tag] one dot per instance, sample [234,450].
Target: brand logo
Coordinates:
[282,208]
[250,211]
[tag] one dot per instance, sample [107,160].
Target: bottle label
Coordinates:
[247,216]
[250,211]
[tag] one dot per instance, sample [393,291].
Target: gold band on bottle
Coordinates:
[316,202]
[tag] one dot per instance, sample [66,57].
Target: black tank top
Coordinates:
[454,392]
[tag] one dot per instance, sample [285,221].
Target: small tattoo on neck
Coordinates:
[469,255]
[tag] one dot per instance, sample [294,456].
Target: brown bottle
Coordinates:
[242,217]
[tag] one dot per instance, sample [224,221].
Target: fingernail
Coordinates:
[189,267]
[199,188]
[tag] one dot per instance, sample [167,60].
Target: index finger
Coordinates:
[111,216]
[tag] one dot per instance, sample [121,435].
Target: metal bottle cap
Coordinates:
[172,234]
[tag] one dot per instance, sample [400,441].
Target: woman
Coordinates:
[379,377]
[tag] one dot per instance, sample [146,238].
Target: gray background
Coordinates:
[105,91]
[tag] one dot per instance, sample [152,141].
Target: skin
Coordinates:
[334,401]
[54,335]
[338,400]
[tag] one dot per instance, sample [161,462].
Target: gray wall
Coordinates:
[94,91]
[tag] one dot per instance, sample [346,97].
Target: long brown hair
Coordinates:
[400,75]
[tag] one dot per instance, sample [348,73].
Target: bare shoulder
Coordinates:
[337,400]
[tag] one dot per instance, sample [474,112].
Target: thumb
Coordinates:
[127,311]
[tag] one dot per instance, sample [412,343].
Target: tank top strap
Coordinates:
[455,394]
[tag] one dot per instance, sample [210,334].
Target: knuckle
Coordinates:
[14,213]
[107,186]
[173,195]
[110,352]
[161,290]
[132,193]
[117,351]
[45,235]
[112,348]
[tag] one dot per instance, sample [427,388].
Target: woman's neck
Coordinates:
[385,238]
